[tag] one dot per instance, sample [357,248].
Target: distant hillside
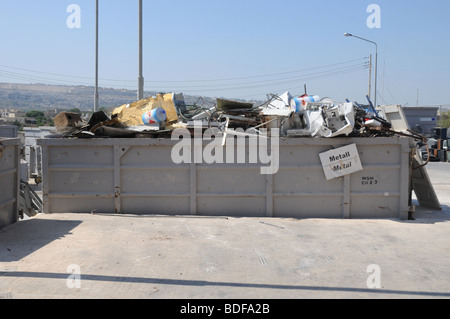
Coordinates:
[43,96]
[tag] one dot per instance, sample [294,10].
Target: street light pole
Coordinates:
[376,61]
[96,58]
[370,76]
[141,77]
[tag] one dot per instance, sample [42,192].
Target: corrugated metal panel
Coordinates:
[9,181]
[137,176]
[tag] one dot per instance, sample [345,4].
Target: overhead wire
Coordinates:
[272,83]
[191,80]
[61,75]
[266,75]
[261,81]
[284,79]
[52,81]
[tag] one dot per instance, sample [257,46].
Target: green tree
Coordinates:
[50,121]
[75,110]
[19,125]
[40,117]
[35,114]
[446,119]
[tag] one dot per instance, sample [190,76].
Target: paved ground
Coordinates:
[104,256]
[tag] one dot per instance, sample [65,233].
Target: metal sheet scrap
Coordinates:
[293,116]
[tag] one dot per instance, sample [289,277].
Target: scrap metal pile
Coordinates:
[302,116]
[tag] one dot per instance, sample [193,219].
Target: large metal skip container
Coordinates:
[138,176]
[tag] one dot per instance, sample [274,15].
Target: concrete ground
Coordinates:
[156,257]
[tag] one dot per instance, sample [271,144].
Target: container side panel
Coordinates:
[9,181]
[230,180]
[82,205]
[304,179]
[8,186]
[376,180]
[380,154]
[375,207]
[149,205]
[81,155]
[231,206]
[73,181]
[148,155]
[303,154]
[7,215]
[138,176]
[155,180]
[308,207]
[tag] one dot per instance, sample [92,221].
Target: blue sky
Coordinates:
[235,49]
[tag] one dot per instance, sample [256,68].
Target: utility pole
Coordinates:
[96,58]
[140,94]
[376,73]
[417,97]
[376,62]
[370,77]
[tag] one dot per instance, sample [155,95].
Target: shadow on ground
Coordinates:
[203,283]
[21,239]
[431,216]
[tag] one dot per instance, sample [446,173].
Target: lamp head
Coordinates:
[348,34]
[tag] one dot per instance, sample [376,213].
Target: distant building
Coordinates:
[30,121]
[52,112]
[4,113]
[11,113]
